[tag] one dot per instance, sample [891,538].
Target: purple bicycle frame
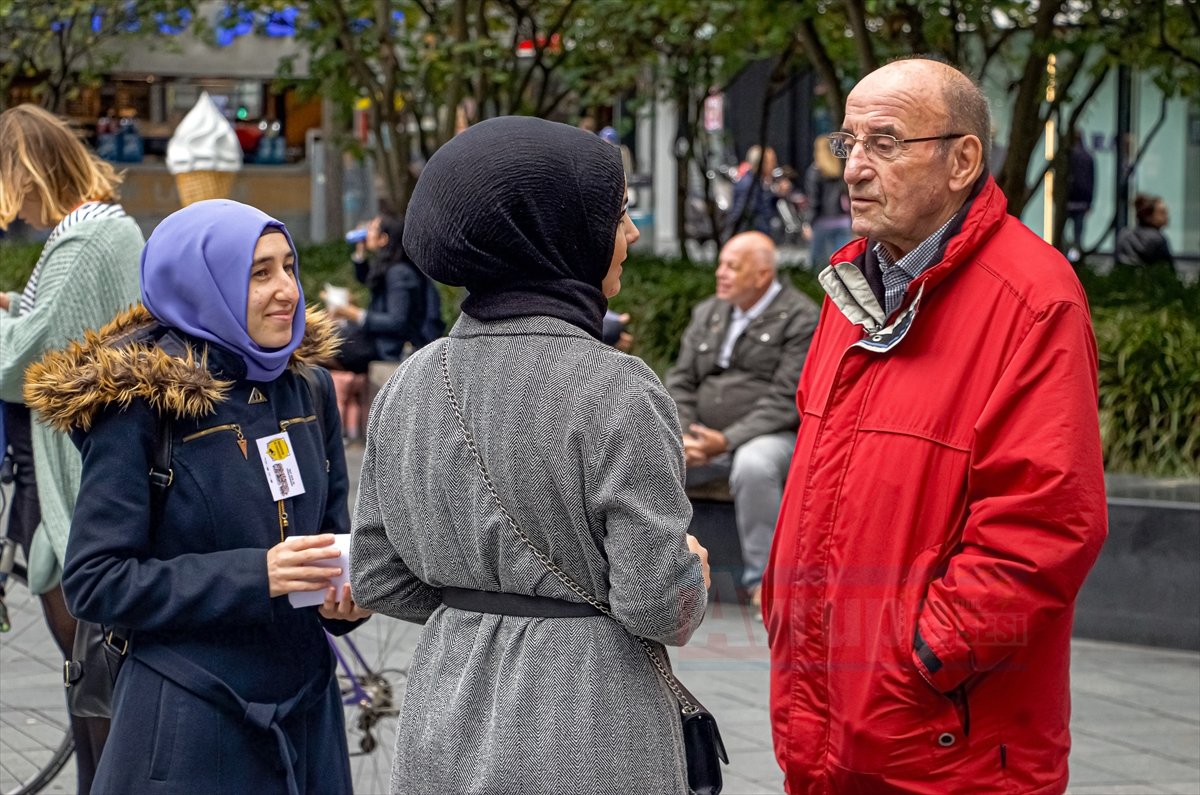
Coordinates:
[357,695]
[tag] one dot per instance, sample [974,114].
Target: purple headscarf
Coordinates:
[196,278]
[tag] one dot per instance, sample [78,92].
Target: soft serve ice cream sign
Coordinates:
[204,153]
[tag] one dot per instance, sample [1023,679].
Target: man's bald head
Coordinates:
[746,268]
[941,120]
[951,94]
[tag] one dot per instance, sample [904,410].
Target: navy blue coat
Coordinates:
[404,307]
[209,643]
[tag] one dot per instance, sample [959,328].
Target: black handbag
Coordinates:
[704,749]
[99,651]
[357,349]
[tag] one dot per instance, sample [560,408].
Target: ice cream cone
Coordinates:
[197,186]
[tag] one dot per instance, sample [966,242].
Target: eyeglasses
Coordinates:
[885,147]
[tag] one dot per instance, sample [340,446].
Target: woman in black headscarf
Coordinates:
[523,431]
[404,309]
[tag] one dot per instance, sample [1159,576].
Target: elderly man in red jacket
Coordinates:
[946,497]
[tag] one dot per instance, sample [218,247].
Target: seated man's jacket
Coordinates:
[756,394]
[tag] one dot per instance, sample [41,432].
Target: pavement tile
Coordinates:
[736,785]
[1150,768]
[1145,737]
[1135,722]
[1083,773]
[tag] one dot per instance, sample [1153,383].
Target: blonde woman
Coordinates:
[87,272]
[828,204]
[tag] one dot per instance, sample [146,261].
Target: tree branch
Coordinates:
[1026,107]
[818,56]
[857,15]
[1132,169]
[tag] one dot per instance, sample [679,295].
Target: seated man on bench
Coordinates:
[735,386]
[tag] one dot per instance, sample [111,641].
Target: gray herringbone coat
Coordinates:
[583,444]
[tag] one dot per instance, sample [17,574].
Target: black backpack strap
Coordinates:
[161,474]
[315,389]
[161,477]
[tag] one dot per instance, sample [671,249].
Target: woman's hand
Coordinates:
[695,547]
[290,564]
[350,312]
[4,301]
[345,610]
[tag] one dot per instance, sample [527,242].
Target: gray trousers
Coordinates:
[756,473]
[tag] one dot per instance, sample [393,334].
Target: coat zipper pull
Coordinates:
[241,442]
[283,521]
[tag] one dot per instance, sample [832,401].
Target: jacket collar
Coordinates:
[135,356]
[846,280]
[537,325]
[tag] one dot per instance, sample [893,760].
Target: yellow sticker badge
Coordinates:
[277,449]
[279,464]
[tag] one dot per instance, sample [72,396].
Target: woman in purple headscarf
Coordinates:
[228,687]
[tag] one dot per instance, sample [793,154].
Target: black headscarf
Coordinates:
[522,212]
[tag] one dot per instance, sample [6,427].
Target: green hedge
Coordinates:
[659,296]
[16,263]
[1146,323]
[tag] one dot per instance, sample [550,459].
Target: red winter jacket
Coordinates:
[945,502]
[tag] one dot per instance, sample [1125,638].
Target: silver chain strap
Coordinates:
[687,707]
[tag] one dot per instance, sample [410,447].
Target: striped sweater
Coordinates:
[86,274]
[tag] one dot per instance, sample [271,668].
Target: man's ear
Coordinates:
[766,276]
[966,163]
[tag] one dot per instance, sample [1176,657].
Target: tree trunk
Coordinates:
[335,220]
[683,114]
[857,16]
[827,72]
[1026,129]
[455,89]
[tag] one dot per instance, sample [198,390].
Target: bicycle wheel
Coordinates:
[372,670]
[35,730]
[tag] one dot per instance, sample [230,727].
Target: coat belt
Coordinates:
[209,687]
[514,604]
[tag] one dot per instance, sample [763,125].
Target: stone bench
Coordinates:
[1145,586]
[714,525]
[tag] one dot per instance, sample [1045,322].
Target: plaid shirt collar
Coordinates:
[898,274]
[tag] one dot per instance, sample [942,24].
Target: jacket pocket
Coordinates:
[760,350]
[229,427]
[166,726]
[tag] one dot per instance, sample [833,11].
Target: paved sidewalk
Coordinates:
[1136,711]
[1136,719]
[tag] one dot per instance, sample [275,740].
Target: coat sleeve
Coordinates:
[379,578]
[25,338]
[775,409]
[1037,514]
[110,575]
[400,318]
[337,517]
[683,382]
[656,587]
[361,267]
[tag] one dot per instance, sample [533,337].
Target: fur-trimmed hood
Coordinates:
[120,363]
